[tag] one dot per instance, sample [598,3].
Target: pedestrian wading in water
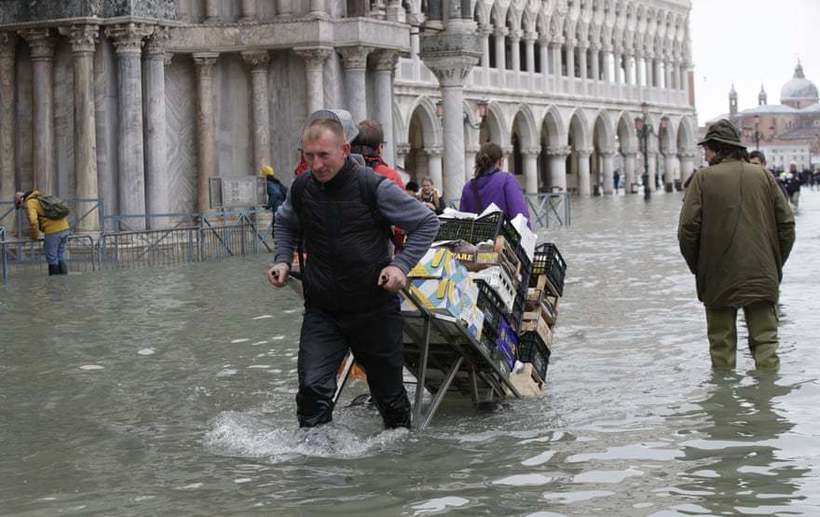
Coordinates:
[736,231]
[342,212]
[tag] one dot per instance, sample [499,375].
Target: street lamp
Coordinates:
[644,129]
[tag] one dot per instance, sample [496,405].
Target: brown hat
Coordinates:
[723,132]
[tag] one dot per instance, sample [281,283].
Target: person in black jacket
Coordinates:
[343,211]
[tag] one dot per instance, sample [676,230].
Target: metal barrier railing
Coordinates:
[546,208]
[86,215]
[149,248]
[22,254]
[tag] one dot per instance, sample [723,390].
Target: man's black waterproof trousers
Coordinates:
[375,338]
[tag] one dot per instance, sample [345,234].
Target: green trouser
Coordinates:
[761,321]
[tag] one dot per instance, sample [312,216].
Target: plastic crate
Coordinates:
[507,343]
[485,228]
[489,303]
[548,261]
[531,349]
[519,307]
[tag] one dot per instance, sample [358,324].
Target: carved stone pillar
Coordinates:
[529,50]
[42,57]
[485,31]
[584,187]
[671,168]
[402,150]
[652,159]
[434,167]
[156,161]
[556,58]
[451,73]
[607,61]
[558,167]
[128,39]
[515,46]
[355,65]
[570,46]
[531,170]
[317,8]
[582,62]
[630,161]
[284,8]
[259,62]
[619,70]
[212,11]
[315,58]
[8,42]
[247,10]
[657,68]
[687,165]
[469,162]
[83,40]
[500,51]
[205,125]
[385,64]
[630,66]
[667,66]
[543,48]
[608,171]
[596,63]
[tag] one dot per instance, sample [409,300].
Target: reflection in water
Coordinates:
[737,463]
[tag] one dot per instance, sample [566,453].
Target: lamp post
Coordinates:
[644,129]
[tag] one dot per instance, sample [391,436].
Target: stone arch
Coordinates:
[578,161]
[424,141]
[627,148]
[669,166]
[552,137]
[494,127]
[601,161]
[523,139]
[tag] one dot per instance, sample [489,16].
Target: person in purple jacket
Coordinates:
[492,185]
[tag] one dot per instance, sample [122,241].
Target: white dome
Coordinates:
[799,88]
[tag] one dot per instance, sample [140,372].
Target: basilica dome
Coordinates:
[799,92]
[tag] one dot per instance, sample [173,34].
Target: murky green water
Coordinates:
[171,391]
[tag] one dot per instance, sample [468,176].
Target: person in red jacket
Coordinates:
[370,144]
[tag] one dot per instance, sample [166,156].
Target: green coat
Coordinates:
[736,231]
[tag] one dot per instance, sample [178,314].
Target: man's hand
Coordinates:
[392,279]
[278,275]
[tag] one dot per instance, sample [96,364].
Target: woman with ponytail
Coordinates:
[492,185]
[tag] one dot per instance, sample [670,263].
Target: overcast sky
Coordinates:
[748,42]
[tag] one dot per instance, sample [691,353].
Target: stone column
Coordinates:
[571,59]
[484,31]
[212,11]
[683,76]
[529,50]
[657,78]
[531,170]
[506,157]
[619,72]
[640,71]
[584,187]
[515,45]
[500,55]
[630,161]
[247,10]
[156,151]
[582,62]
[558,167]
[469,162]
[415,43]
[608,171]
[395,11]
[402,150]
[607,60]
[42,57]
[83,40]
[543,48]
[668,70]
[284,8]
[205,126]
[687,165]
[355,65]
[434,167]
[451,71]
[128,39]
[630,66]
[596,63]
[671,169]
[317,8]
[259,61]
[8,42]
[652,159]
[315,58]
[556,58]
[385,64]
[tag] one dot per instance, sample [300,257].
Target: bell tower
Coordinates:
[733,102]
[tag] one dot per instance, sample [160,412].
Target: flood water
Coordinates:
[171,391]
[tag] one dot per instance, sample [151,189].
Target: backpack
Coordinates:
[53,207]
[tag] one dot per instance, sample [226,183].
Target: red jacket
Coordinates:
[382,169]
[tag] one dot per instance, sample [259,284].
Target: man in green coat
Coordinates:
[736,231]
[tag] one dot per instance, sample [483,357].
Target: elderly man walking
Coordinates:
[736,231]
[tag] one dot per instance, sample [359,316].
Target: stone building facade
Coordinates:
[140,103]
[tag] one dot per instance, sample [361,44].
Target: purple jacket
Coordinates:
[495,186]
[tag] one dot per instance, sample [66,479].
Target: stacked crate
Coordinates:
[546,286]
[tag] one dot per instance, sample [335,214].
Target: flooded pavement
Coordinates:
[171,391]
